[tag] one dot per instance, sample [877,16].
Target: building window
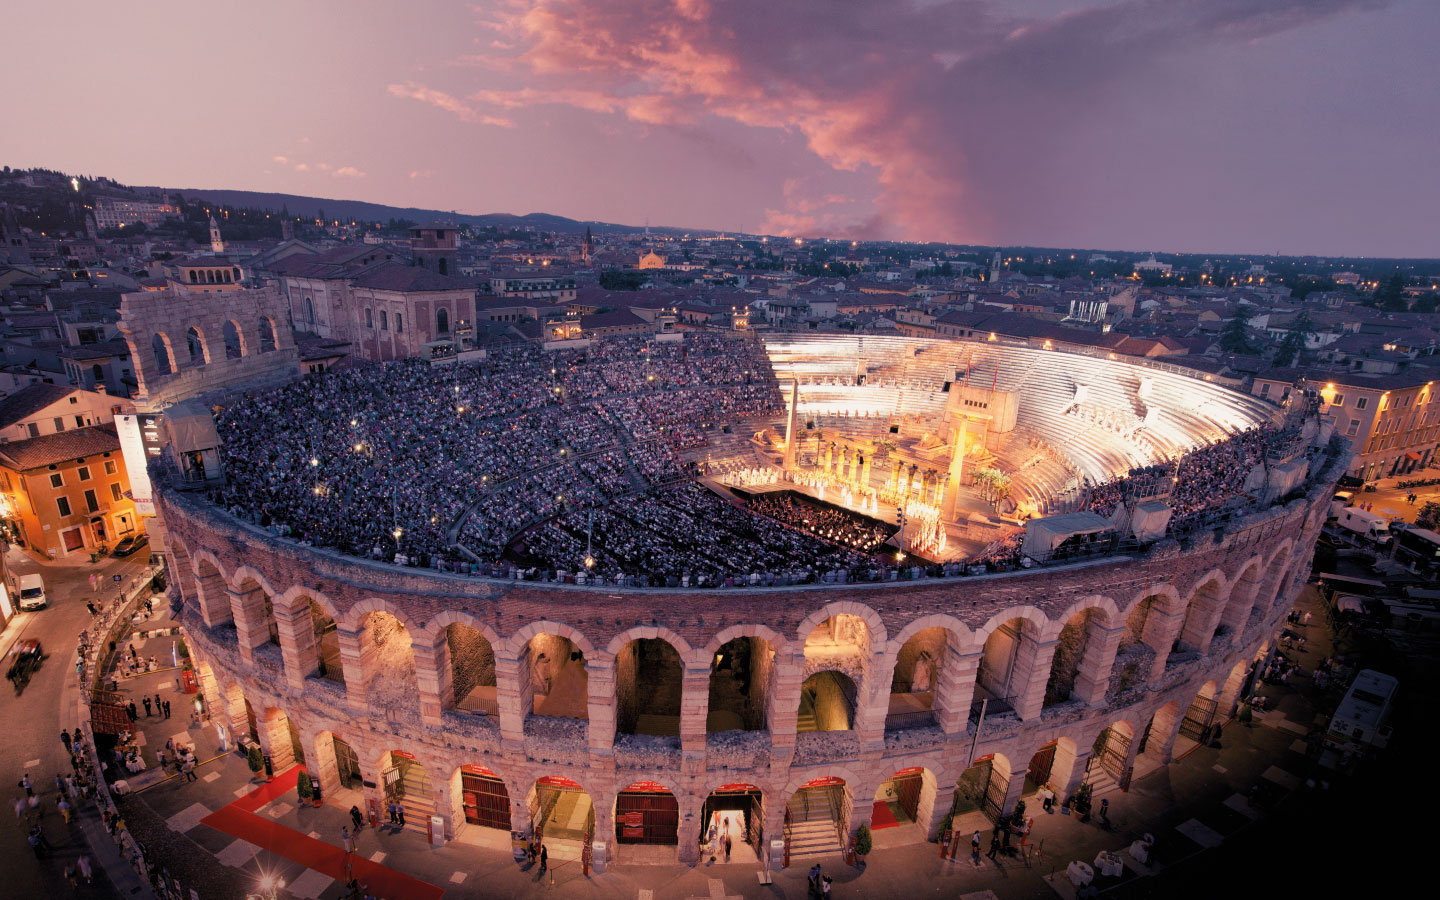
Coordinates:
[79,421]
[63,503]
[59,423]
[115,491]
[1354,427]
[442,321]
[399,325]
[1362,402]
[109,467]
[1265,389]
[369,320]
[33,428]
[57,480]
[91,503]
[1338,401]
[84,472]
[384,320]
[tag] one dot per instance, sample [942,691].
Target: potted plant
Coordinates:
[1082,802]
[1017,818]
[303,789]
[254,760]
[863,843]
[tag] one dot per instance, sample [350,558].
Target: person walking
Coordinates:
[157,703]
[167,709]
[357,818]
[146,701]
[83,864]
[544,859]
[346,841]
[130,710]
[25,783]
[188,767]
[975,848]
[64,806]
[65,739]
[400,814]
[994,846]
[727,846]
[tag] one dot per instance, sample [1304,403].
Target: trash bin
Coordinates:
[437,831]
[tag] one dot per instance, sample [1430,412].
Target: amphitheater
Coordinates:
[623,722]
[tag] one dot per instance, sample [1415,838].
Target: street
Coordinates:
[31,744]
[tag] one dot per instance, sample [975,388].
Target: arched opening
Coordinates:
[309,311]
[442,321]
[736,811]
[282,740]
[267,334]
[1242,599]
[1050,769]
[259,629]
[241,717]
[406,782]
[647,813]
[905,801]
[195,343]
[1108,768]
[739,685]
[234,346]
[1155,743]
[210,588]
[1135,656]
[827,702]
[648,679]
[562,816]
[471,667]
[981,788]
[97,374]
[996,680]
[484,799]
[842,636]
[912,688]
[443,266]
[164,359]
[337,768]
[193,278]
[327,645]
[817,819]
[1069,652]
[388,662]
[1198,721]
[558,682]
[1202,616]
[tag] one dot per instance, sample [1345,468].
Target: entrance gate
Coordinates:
[743,805]
[898,801]
[347,765]
[646,813]
[1041,764]
[981,788]
[1114,748]
[484,798]
[1198,718]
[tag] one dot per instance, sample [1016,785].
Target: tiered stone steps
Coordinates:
[814,835]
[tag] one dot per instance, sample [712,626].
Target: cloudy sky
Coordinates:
[1290,126]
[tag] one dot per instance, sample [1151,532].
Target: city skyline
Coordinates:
[1275,127]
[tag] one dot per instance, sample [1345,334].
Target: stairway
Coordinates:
[811,834]
[417,799]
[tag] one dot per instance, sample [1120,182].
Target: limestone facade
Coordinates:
[1140,637]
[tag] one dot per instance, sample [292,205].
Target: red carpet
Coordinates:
[882,817]
[239,819]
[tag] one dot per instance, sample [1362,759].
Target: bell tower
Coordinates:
[217,243]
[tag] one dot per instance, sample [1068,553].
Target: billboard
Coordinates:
[132,449]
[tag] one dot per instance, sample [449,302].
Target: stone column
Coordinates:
[955,688]
[1161,629]
[1230,691]
[513,695]
[297,644]
[601,711]
[445,803]
[1029,674]
[1081,763]
[1092,679]
[248,608]
[774,829]
[957,472]
[209,690]
[792,436]
[931,811]
[1201,620]
[214,599]
[687,850]
[275,741]
[784,707]
[323,767]
[1167,743]
[1013,789]
[874,703]
[694,708]
[353,665]
[432,665]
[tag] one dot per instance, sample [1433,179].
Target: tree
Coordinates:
[1233,337]
[1292,347]
[863,841]
[1429,515]
[1391,295]
[302,786]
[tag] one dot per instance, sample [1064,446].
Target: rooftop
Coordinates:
[50,449]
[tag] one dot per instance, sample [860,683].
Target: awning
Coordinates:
[1413,455]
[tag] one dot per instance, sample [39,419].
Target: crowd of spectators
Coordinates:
[829,523]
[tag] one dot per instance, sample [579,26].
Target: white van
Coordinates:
[32,591]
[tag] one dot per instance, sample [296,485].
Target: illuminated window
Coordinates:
[115,491]
[110,467]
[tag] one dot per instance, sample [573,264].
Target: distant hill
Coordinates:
[358,210]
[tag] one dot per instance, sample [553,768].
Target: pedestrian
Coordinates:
[157,703]
[65,739]
[25,783]
[83,864]
[1025,831]
[130,711]
[994,846]
[727,847]
[533,850]
[825,887]
[40,833]
[400,813]
[75,737]
[167,709]
[34,840]
[170,744]
[345,839]
[146,701]
[1105,806]
[188,767]
[975,848]
[544,859]
[64,806]
[358,819]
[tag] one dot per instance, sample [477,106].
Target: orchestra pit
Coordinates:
[618,592]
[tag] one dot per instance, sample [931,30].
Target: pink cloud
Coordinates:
[347,172]
[301,167]
[443,101]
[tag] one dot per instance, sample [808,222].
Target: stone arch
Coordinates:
[914,682]
[877,635]
[280,739]
[164,353]
[649,679]
[234,339]
[521,638]
[238,713]
[777,641]
[905,799]
[678,643]
[741,681]
[797,781]
[1053,763]
[1072,640]
[387,656]
[482,796]
[1009,659]
[199,350]
[267,342]
[313,637]
[1203,607]
[335,763]
[1243,592]
[553,669]
[355,615]
[245,573]
[297,595]
[1106,610]
[957,629]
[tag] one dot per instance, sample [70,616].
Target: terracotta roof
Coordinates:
[409,279]
[29,400]
[49,449]
[104,350]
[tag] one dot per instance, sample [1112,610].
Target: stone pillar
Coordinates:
[862,806]
[443,795]
[874,702]
[935,806]
[297,643]
[1029,674]
[205,675]
[1078,770]
[1201,620]
[694,708]
[792,437]
[957,472]
[601,709]
[214,599]
[513,695]
[784,705]
[955,688]
[1161,629]
[1092,679]
[432,664]
[353,665]
[275,740]
[1013,789]
[323,767]
[687,850]
[248,608]
[1167,743]
[1230,691]
[775,830]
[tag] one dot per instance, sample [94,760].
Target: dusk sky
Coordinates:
[1270,126]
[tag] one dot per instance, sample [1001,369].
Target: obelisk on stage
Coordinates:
[957,468]
[792,439]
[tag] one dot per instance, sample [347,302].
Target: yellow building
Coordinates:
[66,493]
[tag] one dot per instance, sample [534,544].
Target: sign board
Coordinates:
[558,781]
[823,782]
[633,819]
[646,787]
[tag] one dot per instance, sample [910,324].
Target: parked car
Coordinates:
[130,544]
[32,591]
